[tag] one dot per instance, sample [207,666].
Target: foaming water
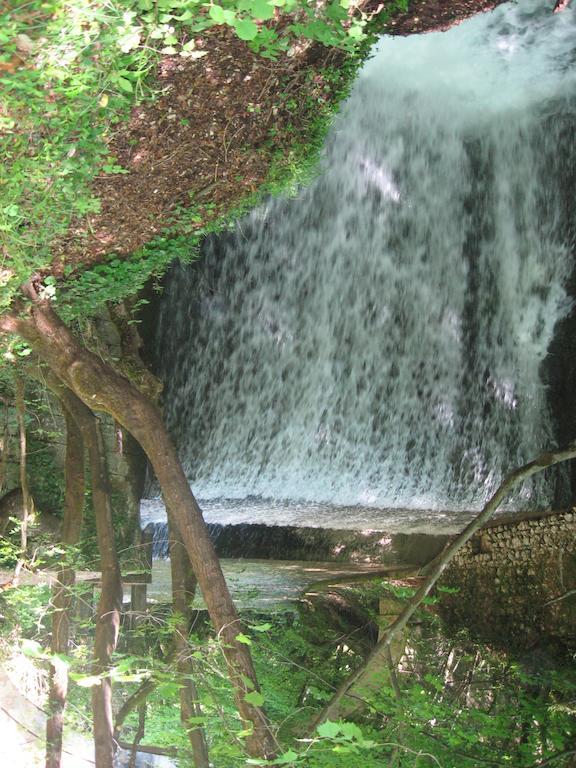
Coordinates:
[254,511]
[377,341]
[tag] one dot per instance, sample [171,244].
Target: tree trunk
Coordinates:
[26,498]
[62,591]
[4,445]
[183,589]
[101,388]
[110,602]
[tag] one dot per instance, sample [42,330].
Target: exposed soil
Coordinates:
[437,15]
[205,142]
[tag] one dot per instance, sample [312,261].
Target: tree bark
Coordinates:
[434,570]
[4,445]
[27,505]
[62,591]
[100,387]
[110,602]
[183,589]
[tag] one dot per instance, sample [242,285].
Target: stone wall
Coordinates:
[517,583]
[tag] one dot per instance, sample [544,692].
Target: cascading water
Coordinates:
[377,340]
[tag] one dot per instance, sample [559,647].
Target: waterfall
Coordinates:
[378,340]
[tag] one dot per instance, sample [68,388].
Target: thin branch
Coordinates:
[133,702]
[434,570]
[561,597]
[150,749]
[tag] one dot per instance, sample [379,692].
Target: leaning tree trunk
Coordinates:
[110,602]
[101,388]
[436,568]
[62,590]
[183,589]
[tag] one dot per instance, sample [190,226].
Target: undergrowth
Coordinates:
[70,72]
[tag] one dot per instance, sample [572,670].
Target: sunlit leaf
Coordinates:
[255,698]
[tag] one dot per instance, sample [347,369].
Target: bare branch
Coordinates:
[558,599]
[434,570]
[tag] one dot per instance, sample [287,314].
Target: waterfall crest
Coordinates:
[378,339]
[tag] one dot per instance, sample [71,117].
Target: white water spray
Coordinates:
[377,341]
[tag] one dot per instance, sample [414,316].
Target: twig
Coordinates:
[132,702]
[562,597]
[150,749]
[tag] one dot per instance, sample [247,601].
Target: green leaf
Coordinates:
[262,9]
[262,627]
[124,84]
[168,690]
[328,730]
[243,639]
[356,32]
[255,698]
[217,14]
[351,731]
[286,757]
[245,29]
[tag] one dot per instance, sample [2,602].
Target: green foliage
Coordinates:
[9,551]
[70,70]
[84,291]
[25,612]
[57,104]
[461,704]
[262,23]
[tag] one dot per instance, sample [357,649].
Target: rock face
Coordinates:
[11,505]
[517,583]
